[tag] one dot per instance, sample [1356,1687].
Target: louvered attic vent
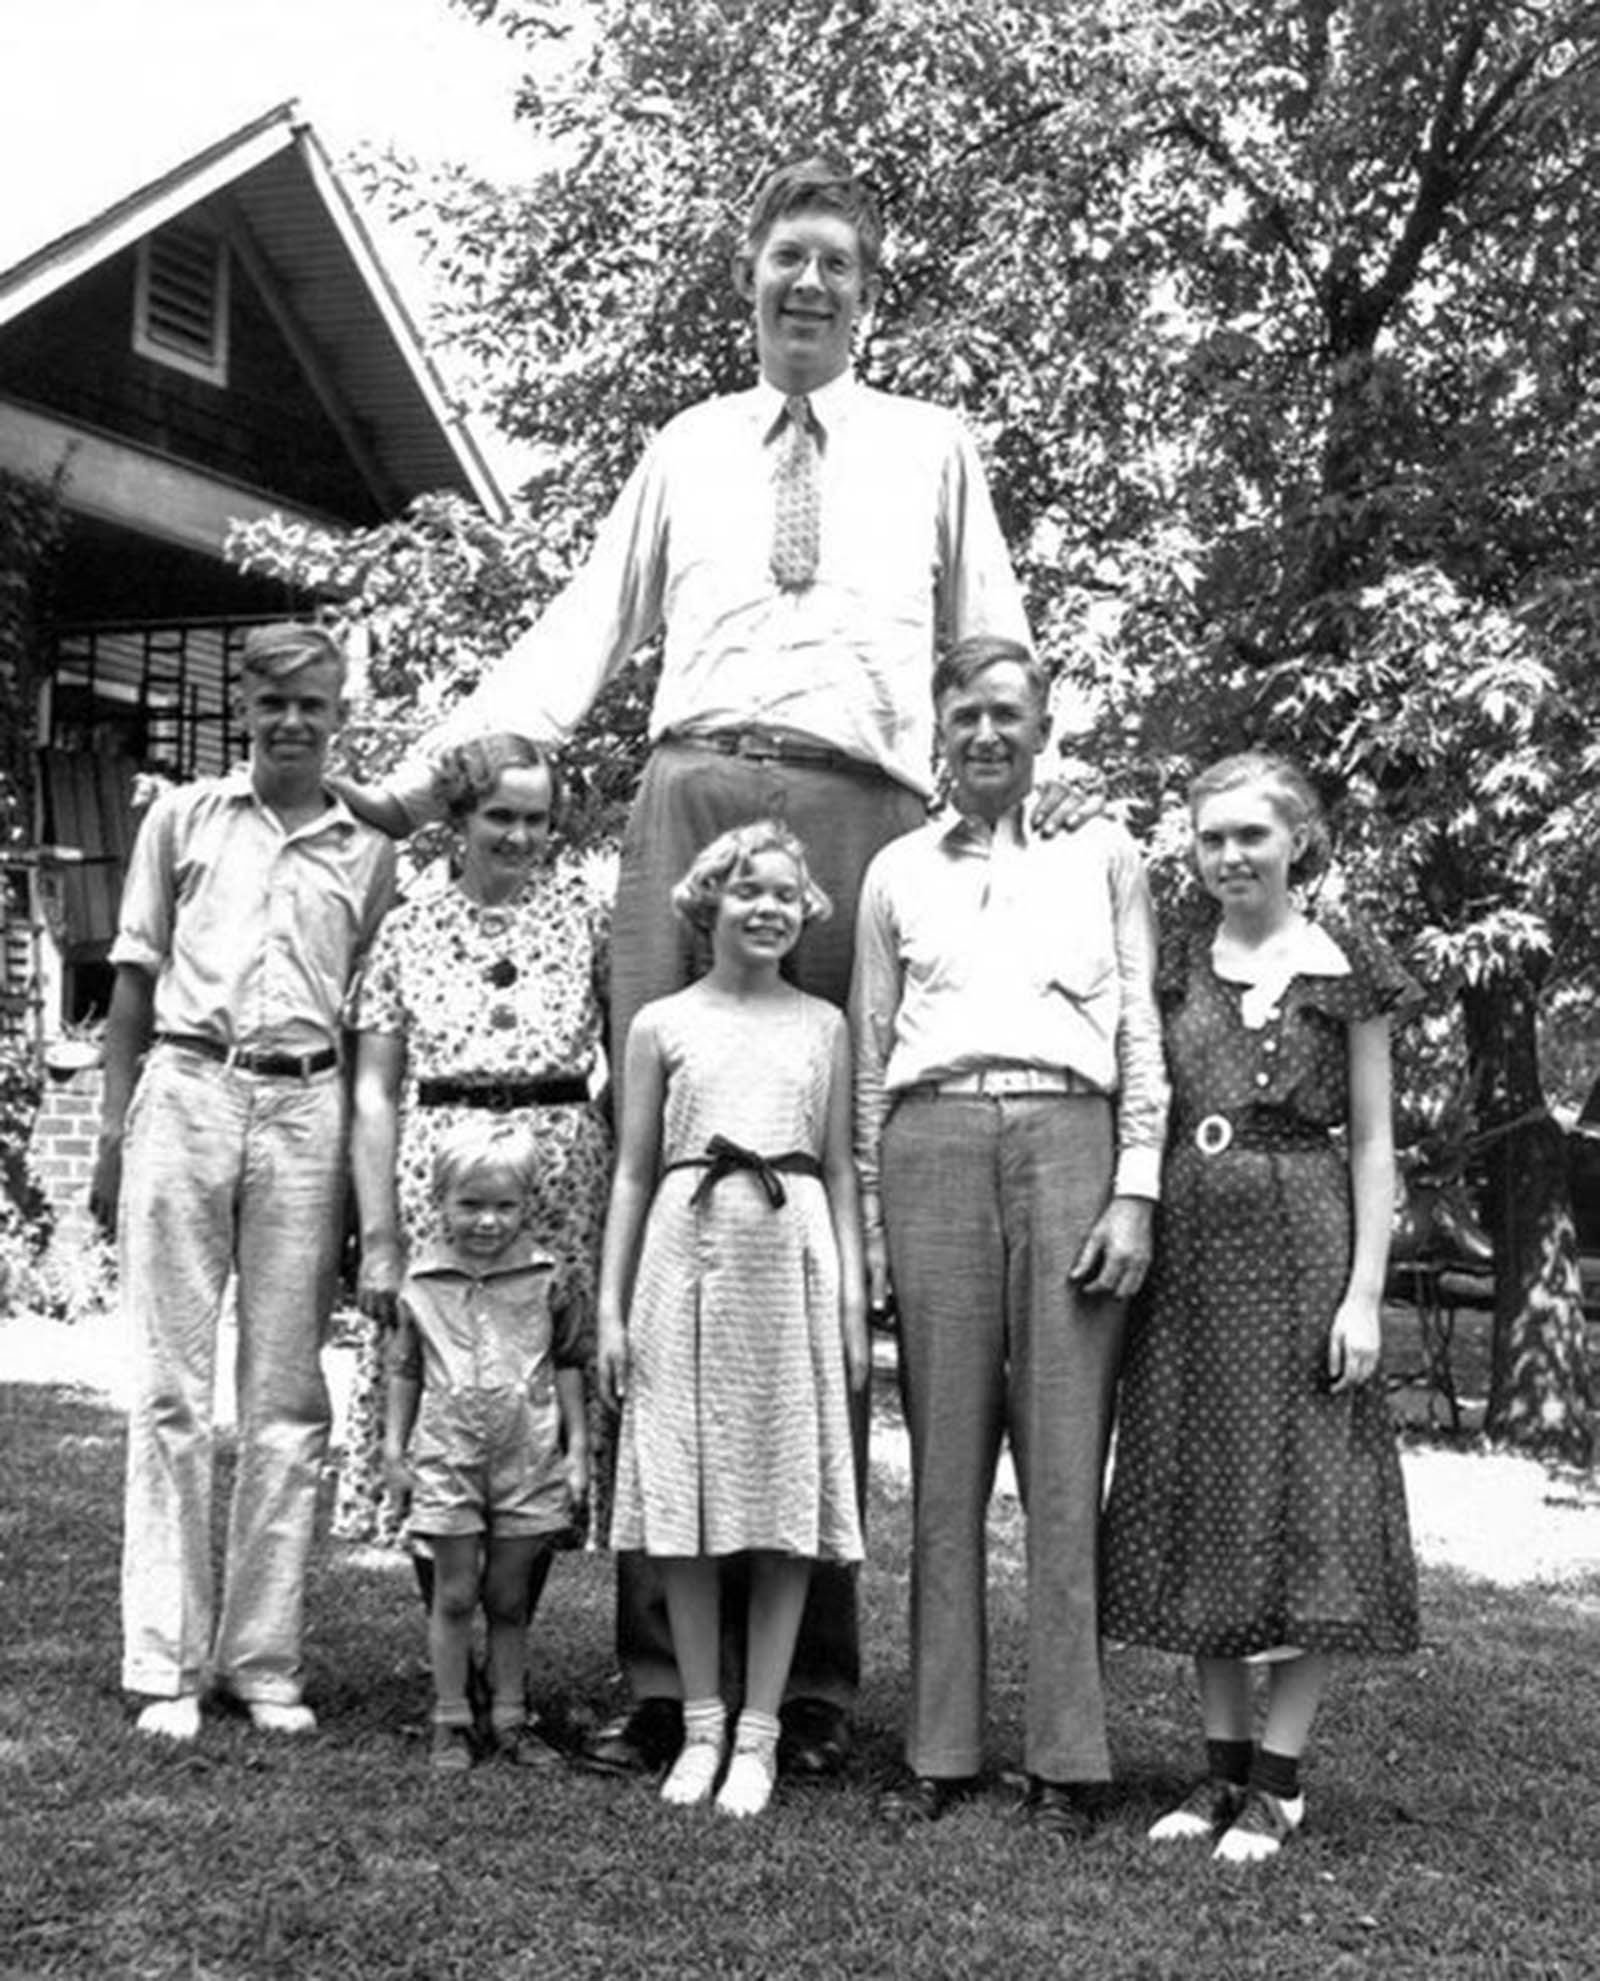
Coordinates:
[180,309]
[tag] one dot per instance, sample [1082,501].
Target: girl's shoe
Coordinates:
[171,1719]
[1261,1828]
[747,1787]
[1205,1812]
[452,1750]
[693,1775]
[526,1747]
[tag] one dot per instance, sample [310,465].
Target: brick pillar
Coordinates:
[62,1144]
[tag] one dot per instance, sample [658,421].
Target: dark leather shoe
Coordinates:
[637,1744]
[815,1739]
[921,1799]
[1062,1810]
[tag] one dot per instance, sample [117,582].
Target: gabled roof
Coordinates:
[276,183]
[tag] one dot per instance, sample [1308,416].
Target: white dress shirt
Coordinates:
[980,947]
[910,555]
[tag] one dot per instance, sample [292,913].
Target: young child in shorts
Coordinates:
[485,1430]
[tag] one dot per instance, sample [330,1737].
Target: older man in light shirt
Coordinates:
[1011,1106]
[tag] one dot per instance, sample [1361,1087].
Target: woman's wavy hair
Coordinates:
[467,772]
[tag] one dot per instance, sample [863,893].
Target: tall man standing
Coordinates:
[1011,1106]
[250,899]
[807,546]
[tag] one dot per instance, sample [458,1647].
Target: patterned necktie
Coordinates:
[797,509]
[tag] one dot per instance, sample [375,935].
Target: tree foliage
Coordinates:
[1274,318]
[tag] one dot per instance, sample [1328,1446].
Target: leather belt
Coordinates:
[759,745]
[271,1065]
[1007,1082]
[501,1096]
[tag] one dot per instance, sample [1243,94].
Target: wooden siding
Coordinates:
[74,355]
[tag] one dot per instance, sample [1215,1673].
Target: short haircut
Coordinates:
[271,653]
[1287,789]
[484,1144]
[959,666]
[696,896]
[468,772]
[817,185]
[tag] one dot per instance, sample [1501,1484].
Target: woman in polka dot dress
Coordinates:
[1257,1514]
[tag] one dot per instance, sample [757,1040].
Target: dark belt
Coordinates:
[1266,1134]
[274,1065]
[501,1096]
[723,1157]
[776,746]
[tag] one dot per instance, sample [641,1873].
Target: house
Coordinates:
[218,341]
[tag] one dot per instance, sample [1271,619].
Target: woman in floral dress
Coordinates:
[487,994]
[1257,1518]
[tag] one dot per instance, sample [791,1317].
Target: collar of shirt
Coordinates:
[966,832]
[831,404]
[521,1255]
[238,787]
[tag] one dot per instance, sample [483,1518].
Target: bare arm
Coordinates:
[839,1179]
[374,1149]
[875,990]
[402,1397]
[638,1151]
[373,804]
[1354,1340]
[574,1434]
[129,1025]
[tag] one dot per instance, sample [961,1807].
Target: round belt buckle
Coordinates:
[1213,1135]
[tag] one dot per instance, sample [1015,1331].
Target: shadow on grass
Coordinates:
[1454,1822]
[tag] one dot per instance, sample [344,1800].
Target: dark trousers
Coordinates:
[686,798]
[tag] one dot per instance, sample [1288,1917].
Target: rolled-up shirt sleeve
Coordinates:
[544,682]
[1143,1094]
[874,1004]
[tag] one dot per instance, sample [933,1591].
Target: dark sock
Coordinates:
[1230,1760]
[1278,1774]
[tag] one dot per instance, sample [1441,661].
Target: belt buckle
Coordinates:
[1213,1134]
[497,1099]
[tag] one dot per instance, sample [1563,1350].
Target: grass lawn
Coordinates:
[1454,1797]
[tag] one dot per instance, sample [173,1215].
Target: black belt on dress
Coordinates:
[501,1096]
[759,745]
[1260,1133]
[723,1157]
[274,1065]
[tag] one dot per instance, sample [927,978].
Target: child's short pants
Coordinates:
[488,1460]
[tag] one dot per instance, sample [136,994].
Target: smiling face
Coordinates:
[760,911]
[1243,850]
[290,722]
[481,1212]
[990,731]
[809,286]
[505,834]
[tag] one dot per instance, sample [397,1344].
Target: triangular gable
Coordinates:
[275,174]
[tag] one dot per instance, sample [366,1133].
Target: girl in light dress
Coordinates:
[732,1305]
[1257,1516]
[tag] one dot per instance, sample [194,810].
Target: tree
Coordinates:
[1274,319]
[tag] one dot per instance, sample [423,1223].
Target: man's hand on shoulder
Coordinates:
[1076,794]
[371,804]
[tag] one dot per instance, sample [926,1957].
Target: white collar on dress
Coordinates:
[1307,950]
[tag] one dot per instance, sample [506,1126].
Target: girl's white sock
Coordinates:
[753,1771]
[705,1737]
